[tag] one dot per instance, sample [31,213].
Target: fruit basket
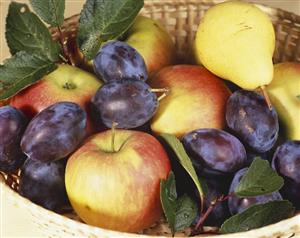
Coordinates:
[181,18]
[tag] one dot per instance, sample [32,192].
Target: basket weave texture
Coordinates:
[181,18]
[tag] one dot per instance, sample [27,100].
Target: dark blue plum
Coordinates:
[117,60]
[55,132]
[129,103]
[251,120]
[44,183]
[238,205]
[214,152]
[286,161]
[12,126]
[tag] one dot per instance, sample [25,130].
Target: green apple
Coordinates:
[117,187]
[66,83]
[284,92]
[150,39]
[197,99]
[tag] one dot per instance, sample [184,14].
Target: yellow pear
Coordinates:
[236,41]
[284,92]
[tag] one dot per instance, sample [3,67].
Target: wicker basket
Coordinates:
[181,18]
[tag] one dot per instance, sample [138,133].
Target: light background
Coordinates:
[15,223]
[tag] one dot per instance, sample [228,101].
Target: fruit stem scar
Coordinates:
[69,85]
[264,92]
[113,135]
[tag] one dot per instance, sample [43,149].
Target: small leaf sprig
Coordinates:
[259,179]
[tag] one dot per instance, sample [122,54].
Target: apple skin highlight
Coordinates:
[118,190]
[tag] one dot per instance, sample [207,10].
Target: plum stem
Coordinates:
[113,135]
[199,226]
[63,43]
[266,96]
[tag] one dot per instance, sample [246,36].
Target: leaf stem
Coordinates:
[199,226]
[63,43]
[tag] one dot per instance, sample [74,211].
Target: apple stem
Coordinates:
[162,96]
[63,43]
[159,90]
[265,93]
[113,135]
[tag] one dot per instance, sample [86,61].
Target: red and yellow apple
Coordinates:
[197,99]
[66,83]
[117,187]
[151,40]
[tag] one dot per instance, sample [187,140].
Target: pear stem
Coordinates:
[265,93]
[113,135]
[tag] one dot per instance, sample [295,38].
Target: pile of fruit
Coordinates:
[115,130]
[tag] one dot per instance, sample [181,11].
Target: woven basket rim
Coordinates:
[53,217]
[59,219]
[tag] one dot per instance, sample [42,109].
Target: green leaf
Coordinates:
[180,212]
[26,32]
[298,97]
[168,196]
[103,20]
[51,11]
[22,70]
[259,179]
[186,163]
[258,216]
[186,212]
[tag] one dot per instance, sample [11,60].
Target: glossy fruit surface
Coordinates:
[249,117]
[129,103]
[43,183]
[286,161]
[117,60]
[214,152]
[12,126]
[238,205]
[55,132]
[118,187]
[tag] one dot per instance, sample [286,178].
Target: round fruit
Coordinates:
[286,161]
[117,60]
[43,183]
[55,132]
[116,185]
[214,152]
[238,205]
[196,99]
[128,103]
[12,126]
[248,115]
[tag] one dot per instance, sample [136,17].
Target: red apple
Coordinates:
[66,83]
[197,99]
[118,188]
